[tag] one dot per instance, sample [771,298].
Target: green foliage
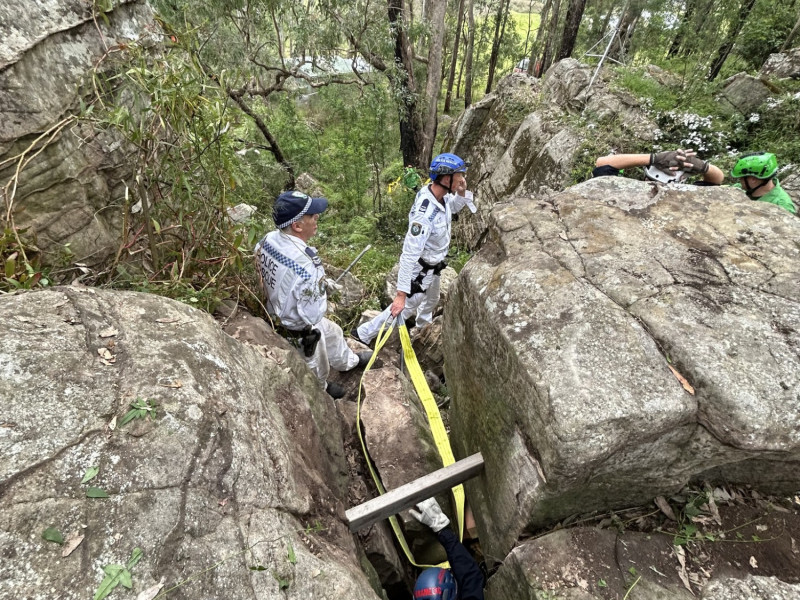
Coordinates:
[90,474]
[283,582]
[290,555]
[20,260]
[51,534]
[116,575]
[140,408]
[95,492]
[702,124]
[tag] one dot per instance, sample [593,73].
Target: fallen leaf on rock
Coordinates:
[794,547]
[682,379]
[664,506]
[753,562]
[712,508]
[721,494]
[696,579]
[90,474]
[223,502]
[105,356]
[112,424]
[680,553]
[108,332]
[563,236]
[73,540]
[172,384]
[51,534]
[151,592]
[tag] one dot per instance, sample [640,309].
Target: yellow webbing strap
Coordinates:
[434,420]
[437,428]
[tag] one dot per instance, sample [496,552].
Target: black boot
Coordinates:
[334,390]
[363,358]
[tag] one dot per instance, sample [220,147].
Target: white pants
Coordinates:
[331,352]
[422,304]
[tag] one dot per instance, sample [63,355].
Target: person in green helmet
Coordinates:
[756,174]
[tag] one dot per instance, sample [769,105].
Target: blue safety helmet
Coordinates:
[447,164]
[435,583]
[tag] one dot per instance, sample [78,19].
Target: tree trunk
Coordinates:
[627,26]
[451,77]
[274,148]
[727,45]
[549,48]
[786,44]
[682,29]
[433,84]
[468,59]
[606,21]
[528,33]
[571,25]
[532,69]
[499,30]
[411,128]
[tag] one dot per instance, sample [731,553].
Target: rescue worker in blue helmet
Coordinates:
[464,579]
[294,283]
[426,245]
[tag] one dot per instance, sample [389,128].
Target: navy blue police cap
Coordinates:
[292,205]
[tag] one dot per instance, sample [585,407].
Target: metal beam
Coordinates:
[407,495]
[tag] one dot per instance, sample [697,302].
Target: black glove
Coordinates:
[671,160]
[698,165]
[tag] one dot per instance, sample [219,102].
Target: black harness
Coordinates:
[416,283]
[305,339]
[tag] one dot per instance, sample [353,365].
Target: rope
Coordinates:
[434,420]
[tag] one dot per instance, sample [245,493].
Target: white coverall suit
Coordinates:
[428,238]
[294,282]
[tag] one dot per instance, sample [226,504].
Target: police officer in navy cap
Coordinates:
[293,280]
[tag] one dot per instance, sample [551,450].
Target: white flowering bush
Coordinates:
[683,129]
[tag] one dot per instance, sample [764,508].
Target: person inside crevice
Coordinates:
[464,579]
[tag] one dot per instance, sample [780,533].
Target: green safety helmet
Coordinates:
[761,165]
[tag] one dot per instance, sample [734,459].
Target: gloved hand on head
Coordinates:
[430,514]
[670,160]
[699,165]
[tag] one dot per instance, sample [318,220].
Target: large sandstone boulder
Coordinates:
[399,441]
[70,193]
[791,185]
[235,489]
[743,93]
[783,65]
[618,341]
[524,137]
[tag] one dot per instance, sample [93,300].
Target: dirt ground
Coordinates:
[676,545]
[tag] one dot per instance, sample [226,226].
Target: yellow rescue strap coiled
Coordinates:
[434,420]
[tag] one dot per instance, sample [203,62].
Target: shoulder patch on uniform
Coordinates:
[416,228]
[424,205]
